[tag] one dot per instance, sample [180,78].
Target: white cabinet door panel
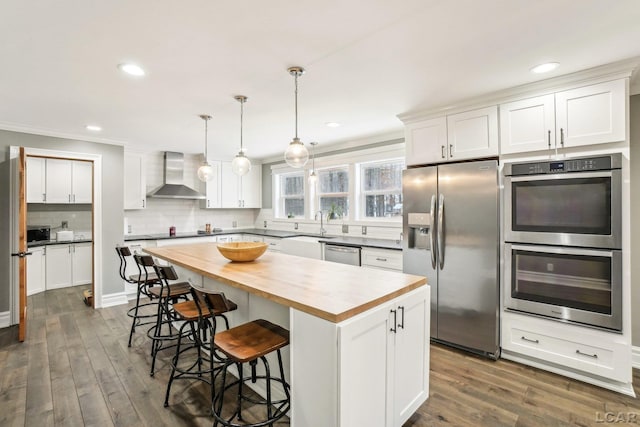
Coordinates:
[58,174]
[135,182]
[36,179]
[426,141]
[230,193]
[527,125]
[214,187]
[36,277]
[251,188]
[473,134]
[82,181]
[58,266]
[82,262]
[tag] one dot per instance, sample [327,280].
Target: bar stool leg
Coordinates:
[135,316]
[175,361]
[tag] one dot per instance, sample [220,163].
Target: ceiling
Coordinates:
[366,60]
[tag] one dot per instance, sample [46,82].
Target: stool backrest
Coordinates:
[212,301]
[123,253]
[143,261]
[165,272]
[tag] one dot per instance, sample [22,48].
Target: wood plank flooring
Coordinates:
[75,369]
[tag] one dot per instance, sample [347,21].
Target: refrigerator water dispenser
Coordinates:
[419,225]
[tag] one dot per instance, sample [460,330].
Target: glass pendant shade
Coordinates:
[205,172]
[240,165]
[297,154]
[313,178]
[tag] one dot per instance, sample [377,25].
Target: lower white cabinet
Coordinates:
[384,259]
[252,238]
[573,350]
[275,244]
[69,265]
[229,238]
[36,279]
[384,359]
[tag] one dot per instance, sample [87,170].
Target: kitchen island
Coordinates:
[359,352]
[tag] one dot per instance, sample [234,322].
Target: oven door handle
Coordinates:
[568,175]
[432,216]
[563,250]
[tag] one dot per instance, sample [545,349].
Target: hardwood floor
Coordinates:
[75,369]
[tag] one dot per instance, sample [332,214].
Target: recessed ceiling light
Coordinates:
[131,69]
[545,68]
[93,128]
[332,124]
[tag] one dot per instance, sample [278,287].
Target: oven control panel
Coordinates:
[564,166]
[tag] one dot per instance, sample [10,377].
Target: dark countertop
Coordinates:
[55,242]
[336,240]
[364,242]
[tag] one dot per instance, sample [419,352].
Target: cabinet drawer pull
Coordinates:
[593,356]
[395,321]
[381,259]
[529,340]
[549,138]
[450,150]
[401,324]
[442,151]
[562,137]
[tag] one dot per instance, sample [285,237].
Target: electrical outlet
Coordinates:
[345,228]
[265,224]
[65,224]
[234,224]
[129,229]
[364,230]
[295,225]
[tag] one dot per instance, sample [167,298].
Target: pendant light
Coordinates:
[313,177]
[241,165]
[205,172]
[296,155]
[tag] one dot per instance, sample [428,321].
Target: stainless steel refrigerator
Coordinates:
[451,236]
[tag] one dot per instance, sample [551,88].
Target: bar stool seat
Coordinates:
[251,342]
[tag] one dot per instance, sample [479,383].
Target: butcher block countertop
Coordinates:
[334,292]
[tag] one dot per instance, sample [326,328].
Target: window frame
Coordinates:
[280,211]
[362,194]
[317,194]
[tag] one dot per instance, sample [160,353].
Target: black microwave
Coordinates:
[38,233]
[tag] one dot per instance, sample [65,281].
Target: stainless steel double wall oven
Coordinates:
[563,234]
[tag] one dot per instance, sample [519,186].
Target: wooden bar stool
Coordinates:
[143,280]
[199,321]
[162,333]
[251,342]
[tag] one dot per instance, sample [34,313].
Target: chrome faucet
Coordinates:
[322,230]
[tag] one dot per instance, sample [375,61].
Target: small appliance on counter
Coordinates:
[64,236]
[38,233]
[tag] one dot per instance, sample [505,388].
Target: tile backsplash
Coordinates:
[78,217]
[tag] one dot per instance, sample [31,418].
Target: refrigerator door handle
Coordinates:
[441,230]
[432,215]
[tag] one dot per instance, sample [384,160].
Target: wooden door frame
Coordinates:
[15,304]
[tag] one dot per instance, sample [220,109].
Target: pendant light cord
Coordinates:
[206,131]
[241,117]
[296,102]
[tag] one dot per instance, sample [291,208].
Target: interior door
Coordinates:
[22,247]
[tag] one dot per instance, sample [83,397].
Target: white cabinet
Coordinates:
[570,349]
[82,263]
[36,179]
[229,238]
[36,274]
[467,135]
[275,243]
[58,266]
[135,181]
[384,360]
[69,265]
[66,181]
[240,192]
[213,191]
[385,259]
[252,238]
[587,115]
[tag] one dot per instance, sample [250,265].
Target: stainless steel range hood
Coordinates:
[173,187]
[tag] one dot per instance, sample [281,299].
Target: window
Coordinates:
[381,189]
[333,191]
[291,203]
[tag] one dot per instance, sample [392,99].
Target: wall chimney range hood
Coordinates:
[173,187]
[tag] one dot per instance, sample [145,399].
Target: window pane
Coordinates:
[334,181]
[383,205]
[292,185]
[294,207]
[384,176]
[341,205]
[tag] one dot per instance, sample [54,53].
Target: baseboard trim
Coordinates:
[635,357]
[117,298]
[5,319]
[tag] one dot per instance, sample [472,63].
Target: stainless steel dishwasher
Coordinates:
[342,254]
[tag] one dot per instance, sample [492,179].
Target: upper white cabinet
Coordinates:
[241,192]
[467,135]
[213,190]
[424,141]
[59,181]
[36,180]
[135,181]
[587,115]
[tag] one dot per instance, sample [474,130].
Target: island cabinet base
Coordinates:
[372,369]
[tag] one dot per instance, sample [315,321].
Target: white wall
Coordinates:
[634,119]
